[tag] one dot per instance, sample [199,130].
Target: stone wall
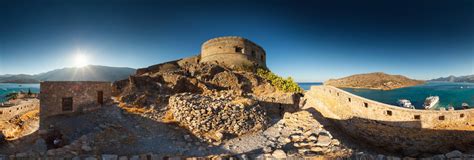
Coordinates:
[395,128]
[84,96]
[23,106]
[233,51]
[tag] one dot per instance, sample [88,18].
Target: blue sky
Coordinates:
[308,40]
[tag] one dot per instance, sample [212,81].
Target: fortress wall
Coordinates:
[394,128]
[369,109]
[7,113]
[84,95]
[223,49]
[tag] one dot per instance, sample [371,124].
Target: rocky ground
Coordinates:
[114,131]
[217,116]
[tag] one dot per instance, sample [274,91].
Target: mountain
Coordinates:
[468,78]
[376,80]
[20,78]
[87,73]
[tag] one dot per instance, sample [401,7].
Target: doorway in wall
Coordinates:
[100,97]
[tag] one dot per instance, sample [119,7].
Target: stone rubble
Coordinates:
[217,116]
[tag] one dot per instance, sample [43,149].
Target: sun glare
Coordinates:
[80,60]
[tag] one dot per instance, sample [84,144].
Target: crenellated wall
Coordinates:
[395,128]
[233,51]
[24,106]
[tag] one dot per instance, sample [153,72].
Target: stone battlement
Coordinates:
[23,106]
[224,38]
[398,129]
[233,51]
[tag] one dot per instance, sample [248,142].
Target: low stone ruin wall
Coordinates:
[279,103]
[7,113]
[395,128]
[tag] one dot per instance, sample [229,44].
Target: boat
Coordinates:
[430,102]
[405,103]
[465,105]
[450,107]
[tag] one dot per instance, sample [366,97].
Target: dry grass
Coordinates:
[134,109]
[243,101]
[168,117]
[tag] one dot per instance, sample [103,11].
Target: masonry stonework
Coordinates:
[70,96]
[233,51]
[394,128]
[7,113]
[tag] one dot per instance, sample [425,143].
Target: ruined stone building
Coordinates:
[233,51]
[64,97]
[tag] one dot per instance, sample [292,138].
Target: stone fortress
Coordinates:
[397,129]
[233,51]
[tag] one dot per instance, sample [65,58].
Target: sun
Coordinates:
[80,60]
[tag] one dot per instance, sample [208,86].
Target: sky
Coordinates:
[311,41]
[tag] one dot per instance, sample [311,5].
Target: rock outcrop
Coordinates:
[376,80]
[152,86]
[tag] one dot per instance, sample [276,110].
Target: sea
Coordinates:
[307,85]
[6,88]
[450,94]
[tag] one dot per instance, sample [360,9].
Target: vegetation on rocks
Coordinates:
[286,85]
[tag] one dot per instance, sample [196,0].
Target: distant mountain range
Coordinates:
[468,78]
[87,73]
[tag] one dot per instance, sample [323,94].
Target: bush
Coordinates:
[286,85]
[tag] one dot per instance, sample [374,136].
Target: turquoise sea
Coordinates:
[307,85]
[6,88]
[449,93]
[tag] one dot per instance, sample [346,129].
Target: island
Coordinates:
[376,80]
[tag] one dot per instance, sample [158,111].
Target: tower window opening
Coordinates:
[417,116]
[239,49]
[253,54]
[441,118]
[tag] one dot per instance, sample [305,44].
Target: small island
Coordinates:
[376,80]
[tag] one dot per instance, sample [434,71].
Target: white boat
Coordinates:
[430,102]
[465,105]
[450,107]
[405,103]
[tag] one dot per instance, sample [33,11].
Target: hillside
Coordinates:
[468,78]
[376,80]
[88,73]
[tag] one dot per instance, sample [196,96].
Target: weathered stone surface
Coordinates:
[323,140]
[84,96]
[279,154]
[214,115]
[243,52]
[90,158]
[40,146]
[454,154]
[86,148]
[109,157]
[411,132]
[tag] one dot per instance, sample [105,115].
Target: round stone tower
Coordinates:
[233,51]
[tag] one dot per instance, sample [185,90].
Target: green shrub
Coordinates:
[286,85]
